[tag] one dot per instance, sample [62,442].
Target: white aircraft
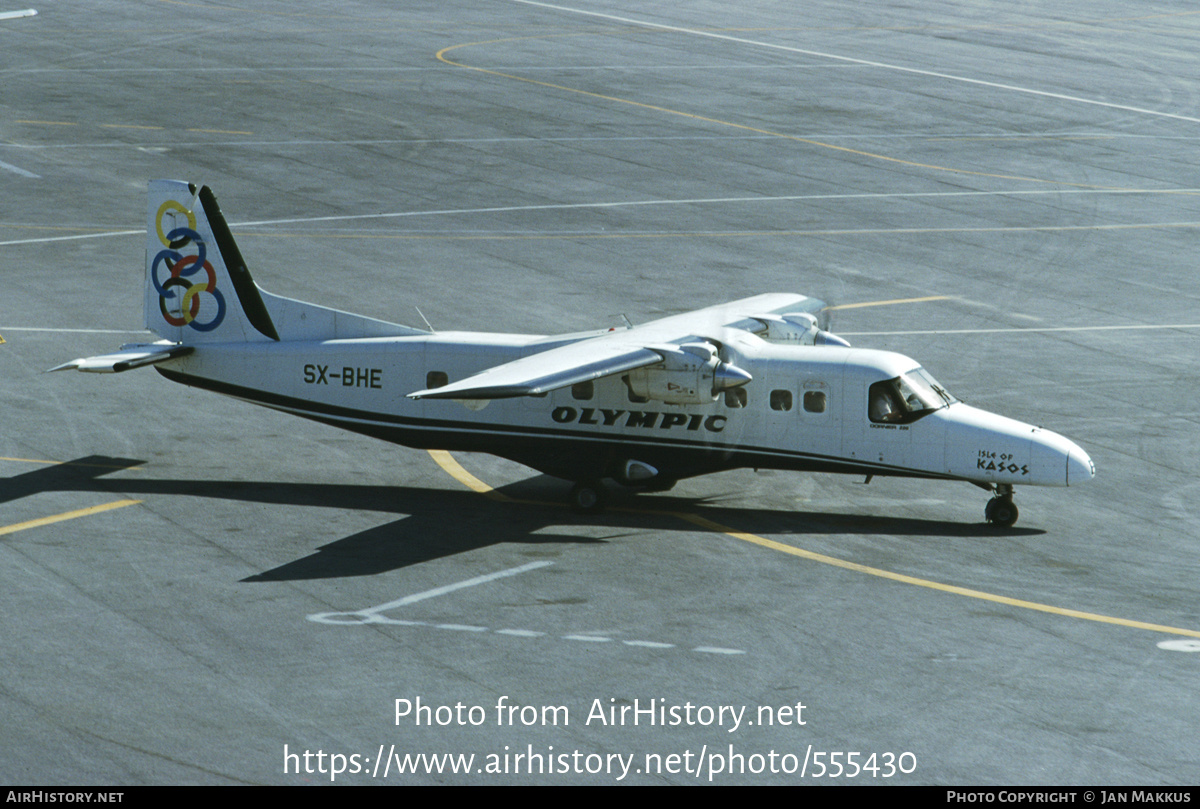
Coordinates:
[752,383]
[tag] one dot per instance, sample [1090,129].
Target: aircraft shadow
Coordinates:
[434,523]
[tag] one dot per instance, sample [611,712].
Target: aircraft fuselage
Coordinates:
[806,408]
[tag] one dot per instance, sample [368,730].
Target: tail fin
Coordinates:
[199,290]
[197,286]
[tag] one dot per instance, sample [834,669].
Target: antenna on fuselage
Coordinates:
[432,330]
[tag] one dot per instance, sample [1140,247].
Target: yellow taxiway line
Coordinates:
[456,471]
[926,299]
[442,57]
[67,515]
[68,463]
[709,525]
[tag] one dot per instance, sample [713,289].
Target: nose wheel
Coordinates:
[1001,510]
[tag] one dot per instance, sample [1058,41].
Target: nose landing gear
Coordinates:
[1001,510]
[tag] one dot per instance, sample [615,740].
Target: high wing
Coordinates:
[617,352]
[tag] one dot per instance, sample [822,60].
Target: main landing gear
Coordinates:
[1001,510]
[588,496]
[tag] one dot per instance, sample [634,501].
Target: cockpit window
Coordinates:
[923,379]
[906,398]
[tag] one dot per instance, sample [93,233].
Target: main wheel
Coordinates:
[1001,511]
[587,497]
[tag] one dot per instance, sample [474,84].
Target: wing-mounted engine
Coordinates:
[646,356]
[798,328]
[691,373]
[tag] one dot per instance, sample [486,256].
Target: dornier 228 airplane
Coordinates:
[752,383]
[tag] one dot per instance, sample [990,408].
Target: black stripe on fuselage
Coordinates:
[555,451]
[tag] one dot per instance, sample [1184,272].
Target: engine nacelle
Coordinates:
[691,373]
[798,328]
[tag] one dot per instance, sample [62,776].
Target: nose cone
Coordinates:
[1058,461]
[1079,466]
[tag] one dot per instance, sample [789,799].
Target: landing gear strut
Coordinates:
[1001,510]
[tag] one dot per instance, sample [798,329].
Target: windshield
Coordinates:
[907,398]
[924,383]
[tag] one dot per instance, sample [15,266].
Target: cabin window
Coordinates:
[583,390]
[436,379]
[736,397]
[814,401]
[781,400]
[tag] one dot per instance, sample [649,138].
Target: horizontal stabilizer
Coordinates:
[129,357]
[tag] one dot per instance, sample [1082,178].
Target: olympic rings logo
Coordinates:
[182,269]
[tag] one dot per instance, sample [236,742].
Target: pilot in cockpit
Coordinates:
[883,407]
